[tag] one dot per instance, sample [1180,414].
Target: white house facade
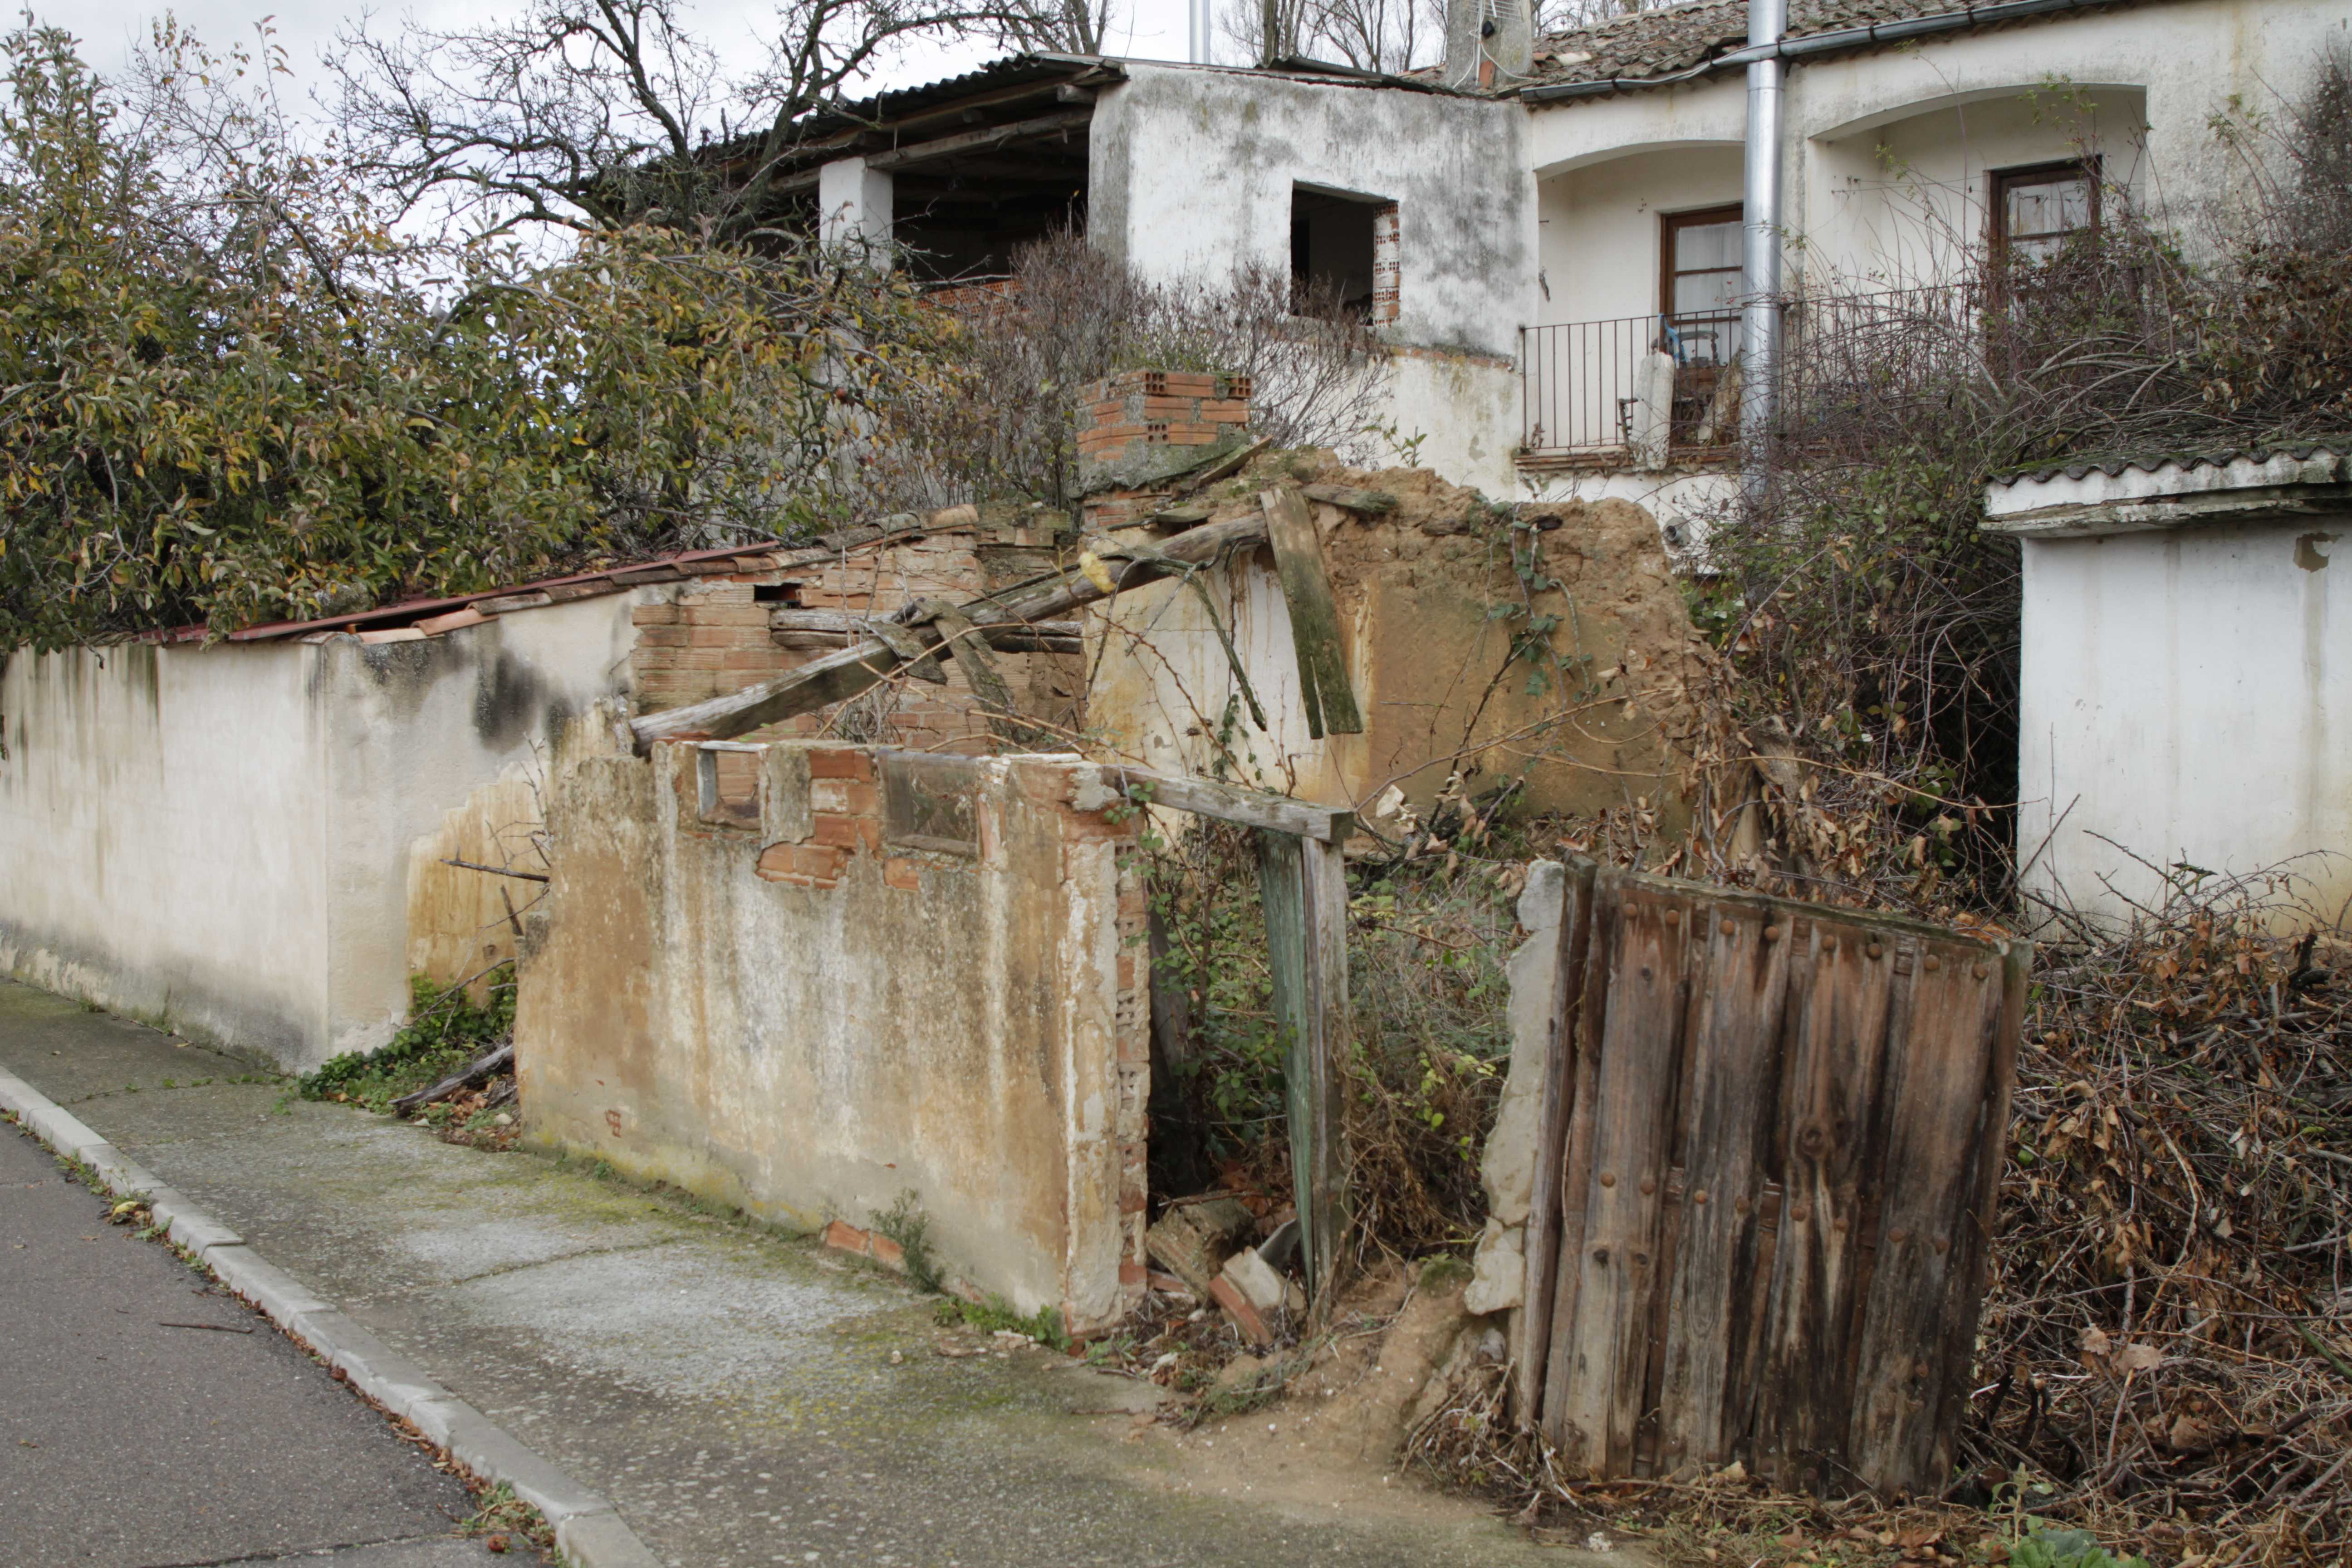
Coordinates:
[1547,215]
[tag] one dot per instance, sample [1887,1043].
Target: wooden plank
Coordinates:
[1004,720]
[914,655]
[1229,803]
[1946,1086]
[1323,687]
[1841,984]
[1591,1022]
[1723,1141]
[988,137]
[1370,503]
[840,676]
[1607,1369]
[1542,1244]
[840,623]
[1304,885]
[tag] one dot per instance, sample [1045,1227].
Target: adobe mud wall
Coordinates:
[1538,642]
[810,979]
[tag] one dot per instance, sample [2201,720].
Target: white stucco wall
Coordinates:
[163,833]
[2185,696]
[1602,234]
[218,839]
[2139,84]
[1192,177]
[1191,170]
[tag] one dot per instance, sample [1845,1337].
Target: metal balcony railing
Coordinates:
[1650,391]
[1639,386]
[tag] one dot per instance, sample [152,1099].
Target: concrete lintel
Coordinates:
[2190,483]
[2276,503]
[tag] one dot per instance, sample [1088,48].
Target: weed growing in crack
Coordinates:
[447,1029]
[996,1315]
[905,1222]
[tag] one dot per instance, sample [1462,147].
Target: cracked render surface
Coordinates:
[733,1392]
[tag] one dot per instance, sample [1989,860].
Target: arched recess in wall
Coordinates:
[1603,222]
[1909,189]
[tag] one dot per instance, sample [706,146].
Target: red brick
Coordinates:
[1133,1274]
[887,1251]
[661,637]
[845,795]
[846,1236]
[840,763]
[655,614]
[729,616]
[1236,1305]
[822,861]
[759,662]
[902,874]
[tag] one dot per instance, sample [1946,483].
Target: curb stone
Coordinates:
[589,1531]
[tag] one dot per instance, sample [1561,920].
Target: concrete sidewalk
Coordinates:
[148,1418]
[742,1398]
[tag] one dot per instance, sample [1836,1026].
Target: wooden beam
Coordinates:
[1371,503]
[1228,803]
[838,676]
[1305,886]
[1314,619]
[949,146]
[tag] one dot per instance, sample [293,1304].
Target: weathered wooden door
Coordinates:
[1768,1156]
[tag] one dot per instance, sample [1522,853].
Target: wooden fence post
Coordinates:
[1305,886]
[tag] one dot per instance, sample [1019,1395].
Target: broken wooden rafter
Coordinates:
[948,146]
[795,628]
[1228,803]
[1370,503]
[840,676]
[1323,688]
[480,1071]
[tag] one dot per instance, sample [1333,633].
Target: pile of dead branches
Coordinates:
[2167,1345]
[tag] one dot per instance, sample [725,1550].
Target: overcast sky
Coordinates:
[108,27]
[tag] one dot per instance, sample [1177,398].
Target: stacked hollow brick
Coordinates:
[1136,411]
[1387,271]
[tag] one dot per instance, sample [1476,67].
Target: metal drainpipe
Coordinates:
[1759,248]
[1197,14]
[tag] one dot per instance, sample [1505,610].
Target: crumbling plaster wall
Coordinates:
[220,840]
[1191,176]
[742,983]
[1429,656]
[163,831]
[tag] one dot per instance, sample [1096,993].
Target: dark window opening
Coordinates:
[2039,209]
[1331,251]
[775,593]
[959,218]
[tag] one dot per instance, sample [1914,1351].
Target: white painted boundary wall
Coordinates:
[217,841]
[2187,679]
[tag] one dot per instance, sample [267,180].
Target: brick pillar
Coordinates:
[1143,428]
[1387,265]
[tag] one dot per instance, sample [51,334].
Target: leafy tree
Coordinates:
[232,392]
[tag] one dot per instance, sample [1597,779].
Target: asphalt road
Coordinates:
[131,1440]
